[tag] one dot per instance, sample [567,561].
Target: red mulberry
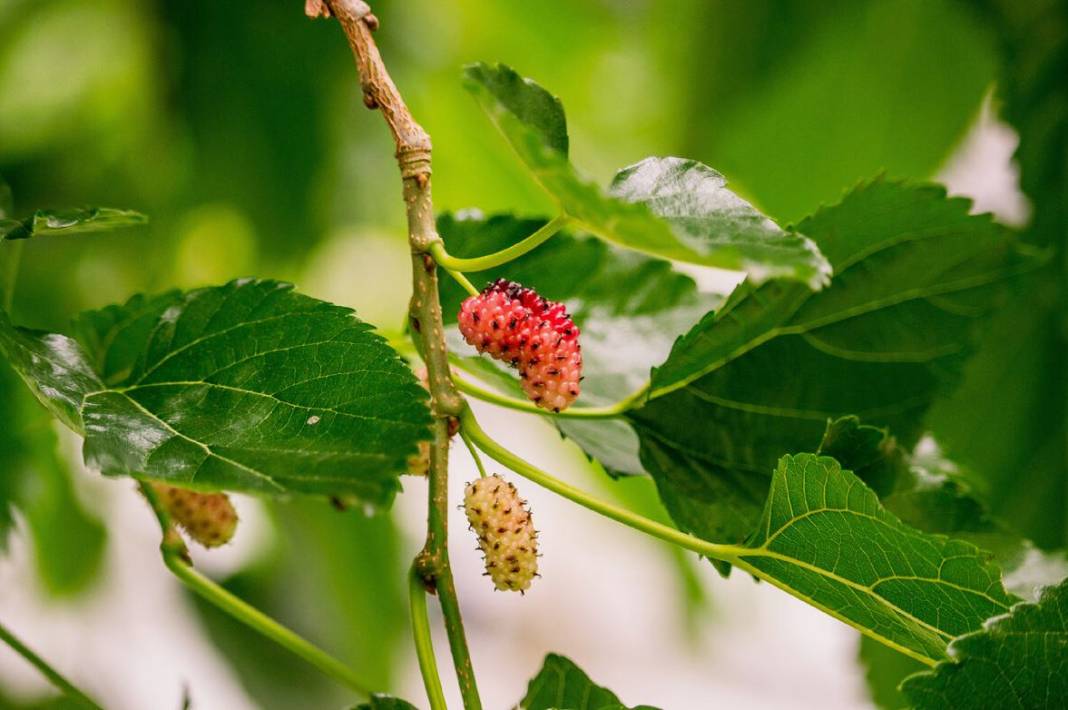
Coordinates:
[516,325]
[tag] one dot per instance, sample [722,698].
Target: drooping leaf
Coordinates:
[761,377]
[53,366]
[248,386]
[67,540]
[694,200]
[561,685]
[69,221]
[336,577]
[1018,660]
[1009,420]
[625,331]
[825,538]
[667,207]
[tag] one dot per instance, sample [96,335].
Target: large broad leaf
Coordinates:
[68,221]
[561,685]
[825,538]
[1009,420]
[1019,660]
[625,331]
[761,377]
[928,493]
[668,207]
[247,387]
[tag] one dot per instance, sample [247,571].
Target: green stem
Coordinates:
[414,160]
[726,553]
[436,572]
[11,272]
[68,688]
[474,453]
[424,647]
[489,261]
[462,280]
[606,412]
[176,558]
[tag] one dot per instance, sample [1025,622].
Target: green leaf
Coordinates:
[928,493]
[1009,421]
[248,387]
[825,538]
[761,377]
[6,200]
[44,223]
[797,101]
[702,221]
[523,98]
[53,366]
[924,492]
[385,702]
[68,541]
[1018,660]
[625,331]
[703,214]
[337,579]
[884,669]
[11,452]
[561,685]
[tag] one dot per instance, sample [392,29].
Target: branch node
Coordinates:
[426,566]
[414,161]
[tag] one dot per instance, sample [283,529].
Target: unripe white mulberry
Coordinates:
[505,532]
[208,518]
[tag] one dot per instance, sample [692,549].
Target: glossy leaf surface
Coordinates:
[666,207]
[44,223]
[248,387]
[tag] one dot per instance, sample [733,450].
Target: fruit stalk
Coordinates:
[414,157]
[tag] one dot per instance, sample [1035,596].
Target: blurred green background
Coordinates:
[238,128]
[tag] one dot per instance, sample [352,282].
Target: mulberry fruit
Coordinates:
[505,532]
[208,518]
[515,325]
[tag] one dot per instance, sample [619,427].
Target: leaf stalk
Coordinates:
[424,647]
[176,559]
[55,677]
[499,258]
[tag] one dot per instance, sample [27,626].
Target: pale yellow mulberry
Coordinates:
[505,532]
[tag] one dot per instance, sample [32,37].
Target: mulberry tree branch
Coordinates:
[413,152]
